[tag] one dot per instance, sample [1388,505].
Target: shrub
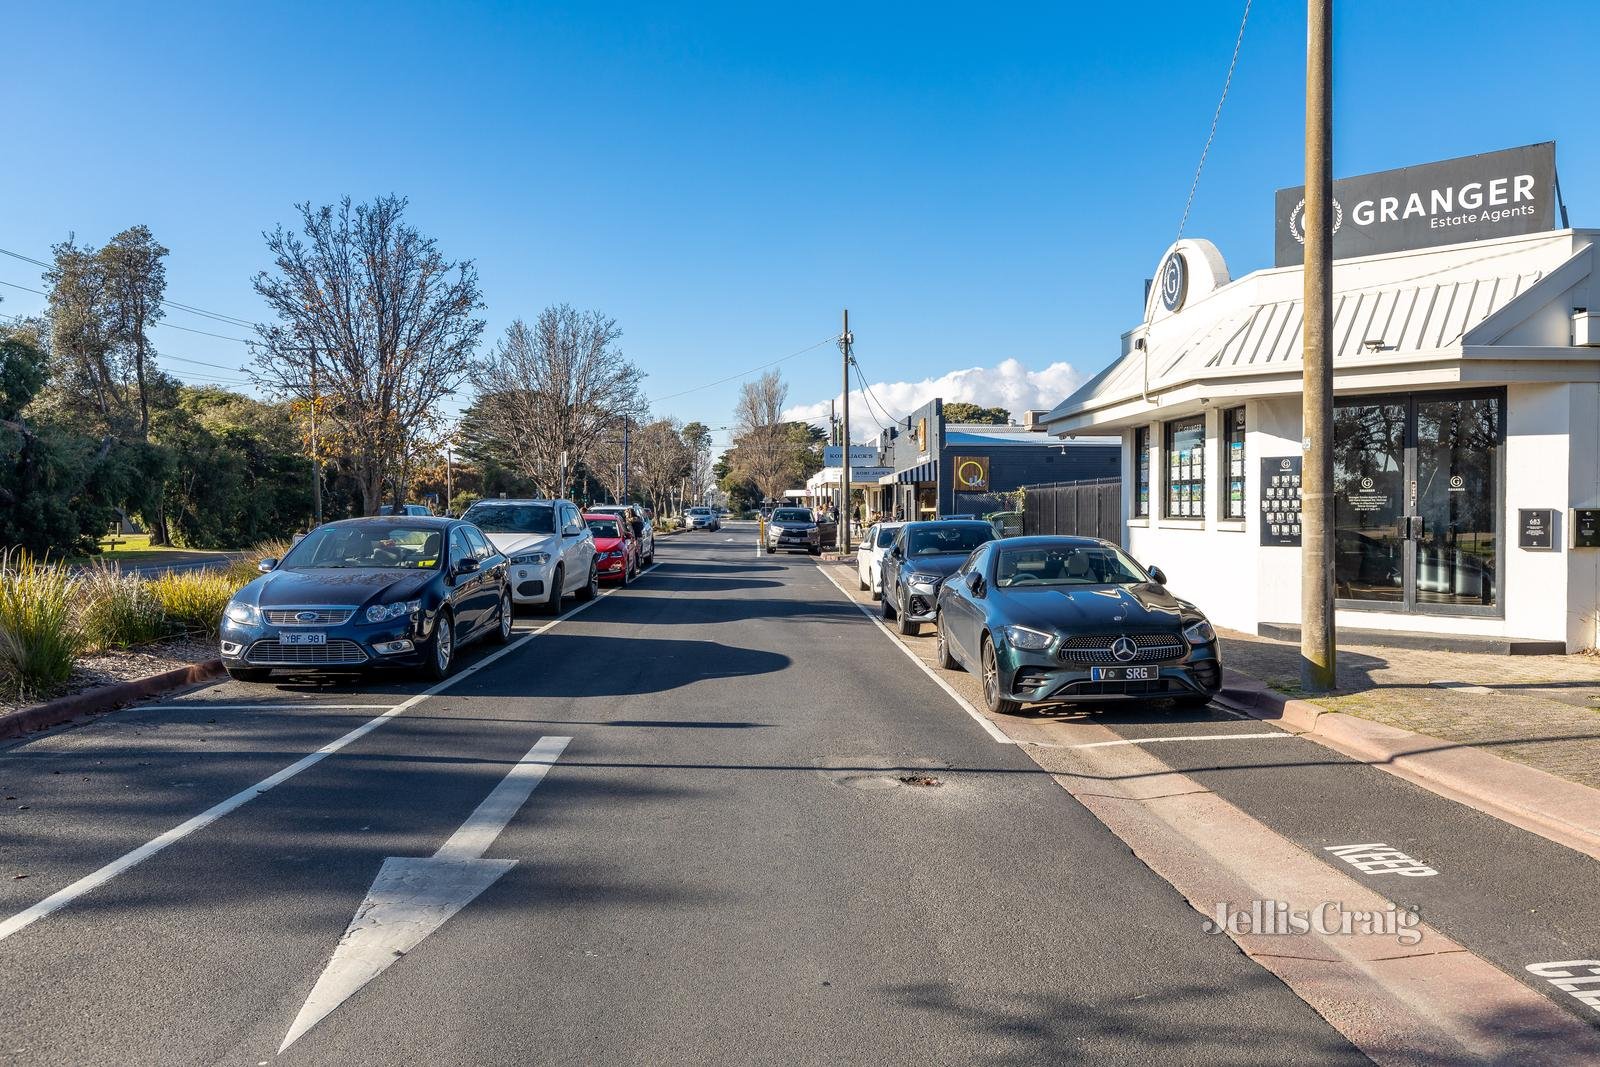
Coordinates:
[116,609]
[193,601]
[243,569]
[38,635]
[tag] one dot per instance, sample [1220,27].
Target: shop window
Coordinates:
[1185,458]
[1141,474]
[1233,463]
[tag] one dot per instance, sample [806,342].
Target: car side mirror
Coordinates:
[266,565]
[975,583]
[467,566]
[1157,575]
[571,529]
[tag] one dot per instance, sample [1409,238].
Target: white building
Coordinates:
[1467,439]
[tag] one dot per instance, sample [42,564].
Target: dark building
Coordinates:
[944,468]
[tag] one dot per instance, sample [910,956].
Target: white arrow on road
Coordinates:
[412,897]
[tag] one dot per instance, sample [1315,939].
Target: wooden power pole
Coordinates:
[1317,637]
[844,443]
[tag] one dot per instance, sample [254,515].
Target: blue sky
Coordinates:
[978,185]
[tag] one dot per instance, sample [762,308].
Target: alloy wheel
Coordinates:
[444,643]
[991,674]
[505,615]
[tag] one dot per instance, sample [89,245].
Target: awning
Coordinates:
[923,472]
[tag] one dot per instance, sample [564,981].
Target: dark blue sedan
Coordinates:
[397,591]
[1073,619]
[922,556]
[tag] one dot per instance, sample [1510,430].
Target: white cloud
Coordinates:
[1009,385]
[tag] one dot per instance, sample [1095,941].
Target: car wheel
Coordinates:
[888,604]
[997,704]
[502,628]
[552,603]
[440,651]
[591,588]
[248,674]
[907,627]
[941,647]
[862,582]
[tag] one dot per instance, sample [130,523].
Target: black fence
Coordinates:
[1080,509]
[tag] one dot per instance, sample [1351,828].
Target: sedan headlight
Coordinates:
[242,613]
[1199,633]
[531,559]
[400,609]
[1026,638]
[918,578]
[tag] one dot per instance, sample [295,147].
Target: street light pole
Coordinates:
[1317,639]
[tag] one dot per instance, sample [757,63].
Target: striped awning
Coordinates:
[922,473]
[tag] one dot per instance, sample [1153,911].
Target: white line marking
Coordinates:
[1156,740]
[90,882]
[412,897]
[982,720]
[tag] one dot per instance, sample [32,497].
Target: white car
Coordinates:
[549,545]
[702,519]
[869,556]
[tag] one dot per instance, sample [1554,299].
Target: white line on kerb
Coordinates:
[90,882]
[982,720]
[289,706]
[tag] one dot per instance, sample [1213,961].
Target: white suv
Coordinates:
[702,519]
[549,545]
[869,556]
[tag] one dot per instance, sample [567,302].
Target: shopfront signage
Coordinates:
[1536,527]
[860,456]
[1174,281]
[971,473]
[1473,198]
[1280,501]
[869,475]
[1586,527]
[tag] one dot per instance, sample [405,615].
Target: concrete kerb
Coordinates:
[1534,800]
[106,698]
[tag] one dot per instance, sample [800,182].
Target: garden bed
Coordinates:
[122,665]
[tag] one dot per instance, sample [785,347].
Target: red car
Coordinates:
[616,549]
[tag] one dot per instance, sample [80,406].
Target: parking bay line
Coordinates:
[90,882]
[1155,740]
[982,720]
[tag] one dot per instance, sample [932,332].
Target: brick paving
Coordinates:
[1540,710]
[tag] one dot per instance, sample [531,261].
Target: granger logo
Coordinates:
[1174,281]
[1297,220]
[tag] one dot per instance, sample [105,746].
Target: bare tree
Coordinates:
[371,312]
[556,390]
[663,460]
[697,438]
[763,450]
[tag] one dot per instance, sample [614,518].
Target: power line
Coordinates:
[231,320]
[167,325]
[723,381]
[1227,82]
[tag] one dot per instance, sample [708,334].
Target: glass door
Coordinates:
[1417,502]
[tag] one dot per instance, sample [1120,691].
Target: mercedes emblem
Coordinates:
[1124,649]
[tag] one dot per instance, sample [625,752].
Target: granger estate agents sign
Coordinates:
[1474,198]
[1280,501]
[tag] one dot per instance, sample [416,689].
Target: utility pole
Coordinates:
[845,341]
[316,456]
[1317,638]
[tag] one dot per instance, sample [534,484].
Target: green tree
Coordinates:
[962,411]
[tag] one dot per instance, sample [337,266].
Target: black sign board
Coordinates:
[1586,527]
[1536,527]
[1495,194]
[1280,501]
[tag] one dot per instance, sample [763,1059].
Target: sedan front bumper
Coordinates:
[1041,677]
[347,647]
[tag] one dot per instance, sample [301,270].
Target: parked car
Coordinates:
[1073,619]
[550,549]
[799,530]
[916,564]
[616,549]
[405,509]
[1006,523]
[702,519]
[398,591]
[643,524]
[869,556]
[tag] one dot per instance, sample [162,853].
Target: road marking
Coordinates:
[412,897]
[982,720]
[1380,859]
[90,882]
[1571,976]
[1156,740]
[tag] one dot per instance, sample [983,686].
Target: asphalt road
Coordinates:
[723,865]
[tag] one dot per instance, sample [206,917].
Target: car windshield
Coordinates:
[792,515]
[513,518]
[367,545]
[1066,565]
[942,539]
[604,528]
[886,536]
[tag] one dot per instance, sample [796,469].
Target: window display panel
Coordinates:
[1185,461]
[1458,442]
[1369,460]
